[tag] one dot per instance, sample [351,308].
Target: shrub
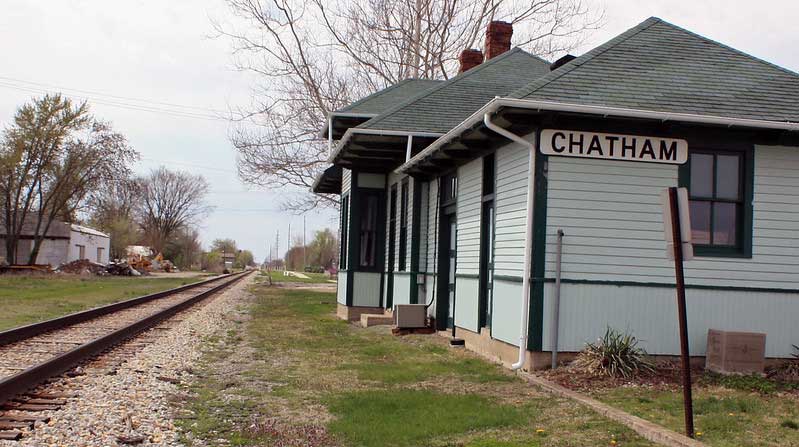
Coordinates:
[787,371]
[616,354]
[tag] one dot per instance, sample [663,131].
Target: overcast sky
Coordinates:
[137,60]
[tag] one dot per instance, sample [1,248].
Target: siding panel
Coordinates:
[512,162]
[611,214]
[470,181]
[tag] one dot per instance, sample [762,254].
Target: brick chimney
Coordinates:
[469,59]
[498,35]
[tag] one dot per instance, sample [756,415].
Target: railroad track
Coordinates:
[32,355]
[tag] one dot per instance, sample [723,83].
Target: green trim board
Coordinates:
[744,247]
[668,286]
[535,324]
[516,279]
[467,276]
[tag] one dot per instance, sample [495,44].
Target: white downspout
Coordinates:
[409,148]
[329,134]
[528,239]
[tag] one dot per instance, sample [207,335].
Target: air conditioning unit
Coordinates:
[409,316]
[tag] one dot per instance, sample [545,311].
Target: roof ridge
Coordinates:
[383,92]
[727,47]
[580,60]
[451,81]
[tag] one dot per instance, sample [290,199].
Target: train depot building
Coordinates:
[458,195]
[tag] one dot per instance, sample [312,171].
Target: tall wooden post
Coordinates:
[684,353]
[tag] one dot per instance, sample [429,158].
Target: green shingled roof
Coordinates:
[442,107]
[661,67]
[389,96]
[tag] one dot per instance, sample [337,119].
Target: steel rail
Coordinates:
[25,380]
[31,330]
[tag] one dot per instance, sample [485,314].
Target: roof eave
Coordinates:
[604,111]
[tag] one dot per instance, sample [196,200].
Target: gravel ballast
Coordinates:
[128,403]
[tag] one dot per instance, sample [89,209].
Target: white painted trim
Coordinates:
[328,129]
[493,105]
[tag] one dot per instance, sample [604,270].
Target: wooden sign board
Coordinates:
[573,143]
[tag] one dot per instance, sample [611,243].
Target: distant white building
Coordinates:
[64,243]
[88,243]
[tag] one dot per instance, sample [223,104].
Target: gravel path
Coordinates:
[131,400]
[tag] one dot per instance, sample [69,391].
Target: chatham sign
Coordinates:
[571,143]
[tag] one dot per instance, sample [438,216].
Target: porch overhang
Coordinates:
[379,151]
[471,137]
[338,122]
[328,181]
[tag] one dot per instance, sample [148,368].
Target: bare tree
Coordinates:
[111,209]
[314,57]
[53,156]
[170,200]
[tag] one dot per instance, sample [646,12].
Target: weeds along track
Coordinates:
[31,355]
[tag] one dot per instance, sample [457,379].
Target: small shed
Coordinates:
[88,243]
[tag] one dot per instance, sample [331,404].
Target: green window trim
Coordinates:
[743,248]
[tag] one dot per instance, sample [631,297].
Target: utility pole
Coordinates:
[304,261]
[288,248]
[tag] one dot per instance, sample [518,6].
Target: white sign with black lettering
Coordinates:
[572,143]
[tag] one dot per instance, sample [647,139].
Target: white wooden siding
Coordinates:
[470,183]
[341,291]
[392,180]
[402,288]
[506,311]
[650,313]
[366,289]
[433,216]
[466,308]
[423,224]
[610,212]
[512,162]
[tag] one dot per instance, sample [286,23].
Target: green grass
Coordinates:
[305,378]
[28,299]
[725,416]
[381,418]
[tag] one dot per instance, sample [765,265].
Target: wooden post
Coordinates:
[684,353]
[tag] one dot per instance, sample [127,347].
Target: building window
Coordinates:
[719,183]
[100,255]
[368,231]
[81,251]
[345,213]
[403,242]
[449,189]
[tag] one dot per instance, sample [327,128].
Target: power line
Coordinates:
[94,93]
[120,104]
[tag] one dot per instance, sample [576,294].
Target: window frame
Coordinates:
[379,211]
[743,246]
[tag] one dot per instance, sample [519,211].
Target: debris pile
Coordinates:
[82,266]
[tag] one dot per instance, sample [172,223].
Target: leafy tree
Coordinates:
[244,259]
[224,245]
[51,158]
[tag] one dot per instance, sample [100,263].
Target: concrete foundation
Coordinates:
[505,353]
[353,313]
